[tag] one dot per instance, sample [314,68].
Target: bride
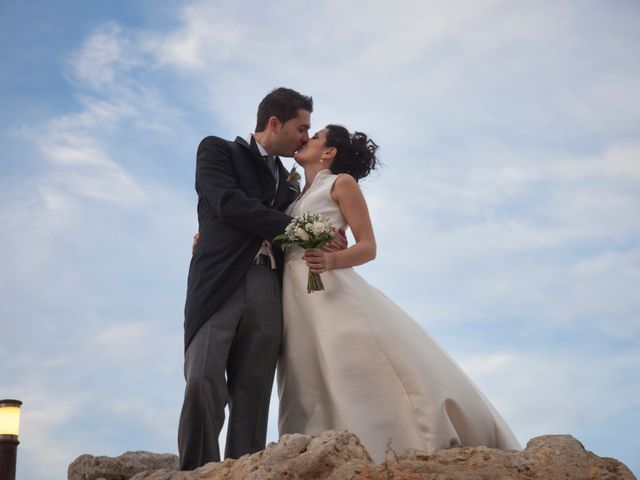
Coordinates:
[352,359]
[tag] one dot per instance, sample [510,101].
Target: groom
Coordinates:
[233,311]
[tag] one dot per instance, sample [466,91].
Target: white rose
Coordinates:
[302,235]
[318,228]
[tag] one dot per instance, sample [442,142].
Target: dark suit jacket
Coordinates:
[235,213]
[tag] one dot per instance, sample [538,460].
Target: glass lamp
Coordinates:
[9,430]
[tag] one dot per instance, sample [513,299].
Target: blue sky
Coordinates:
[505,213]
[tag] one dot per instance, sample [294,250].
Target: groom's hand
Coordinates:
[339,241]
[196,239]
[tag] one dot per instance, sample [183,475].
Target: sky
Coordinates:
[505,210]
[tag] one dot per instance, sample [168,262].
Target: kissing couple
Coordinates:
[347,357]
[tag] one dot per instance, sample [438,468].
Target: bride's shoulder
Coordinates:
[344,185]
[344,180]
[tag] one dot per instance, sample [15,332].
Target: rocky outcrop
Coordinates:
[340,456]
[546,457]
[88,467]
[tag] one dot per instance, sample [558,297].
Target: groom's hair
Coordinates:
[282,103]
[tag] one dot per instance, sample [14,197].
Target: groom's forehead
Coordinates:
[298,123]
[303,118]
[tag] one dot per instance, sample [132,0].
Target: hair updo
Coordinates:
[355,154]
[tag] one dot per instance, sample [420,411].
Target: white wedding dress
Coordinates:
[352,359]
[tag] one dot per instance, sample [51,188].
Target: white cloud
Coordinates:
[123,340]
[620,162]
[492,364]
[210,35]
[86,170]
[104,55]
[43,448]
[554,392]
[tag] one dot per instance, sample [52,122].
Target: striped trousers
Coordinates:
[231,361]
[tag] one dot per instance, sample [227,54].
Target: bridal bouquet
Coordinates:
[309,230]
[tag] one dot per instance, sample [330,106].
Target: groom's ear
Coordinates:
[274,124]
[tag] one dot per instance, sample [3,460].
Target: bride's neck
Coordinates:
[310,173]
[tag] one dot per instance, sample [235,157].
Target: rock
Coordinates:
[88,467]
[294,456]
[545,457]
[336,455]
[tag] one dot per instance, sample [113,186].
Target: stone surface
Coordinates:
[294,456]
[338,455]
[88,467]
[546,457]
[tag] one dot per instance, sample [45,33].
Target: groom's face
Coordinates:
[293,134]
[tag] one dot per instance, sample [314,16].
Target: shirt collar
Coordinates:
[261,149]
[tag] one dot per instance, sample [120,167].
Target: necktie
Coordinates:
[271,163]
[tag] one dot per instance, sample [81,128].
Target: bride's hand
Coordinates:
[317,260]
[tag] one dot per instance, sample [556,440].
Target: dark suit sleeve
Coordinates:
[217,182]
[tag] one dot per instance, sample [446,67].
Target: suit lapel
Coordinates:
[266,178]
[286,191]
[254,153]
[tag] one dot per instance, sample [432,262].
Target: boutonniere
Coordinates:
[294,176]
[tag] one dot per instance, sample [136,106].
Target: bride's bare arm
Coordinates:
[353,206]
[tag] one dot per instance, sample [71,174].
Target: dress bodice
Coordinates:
[317,199]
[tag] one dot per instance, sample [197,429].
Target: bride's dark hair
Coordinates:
[355,154]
